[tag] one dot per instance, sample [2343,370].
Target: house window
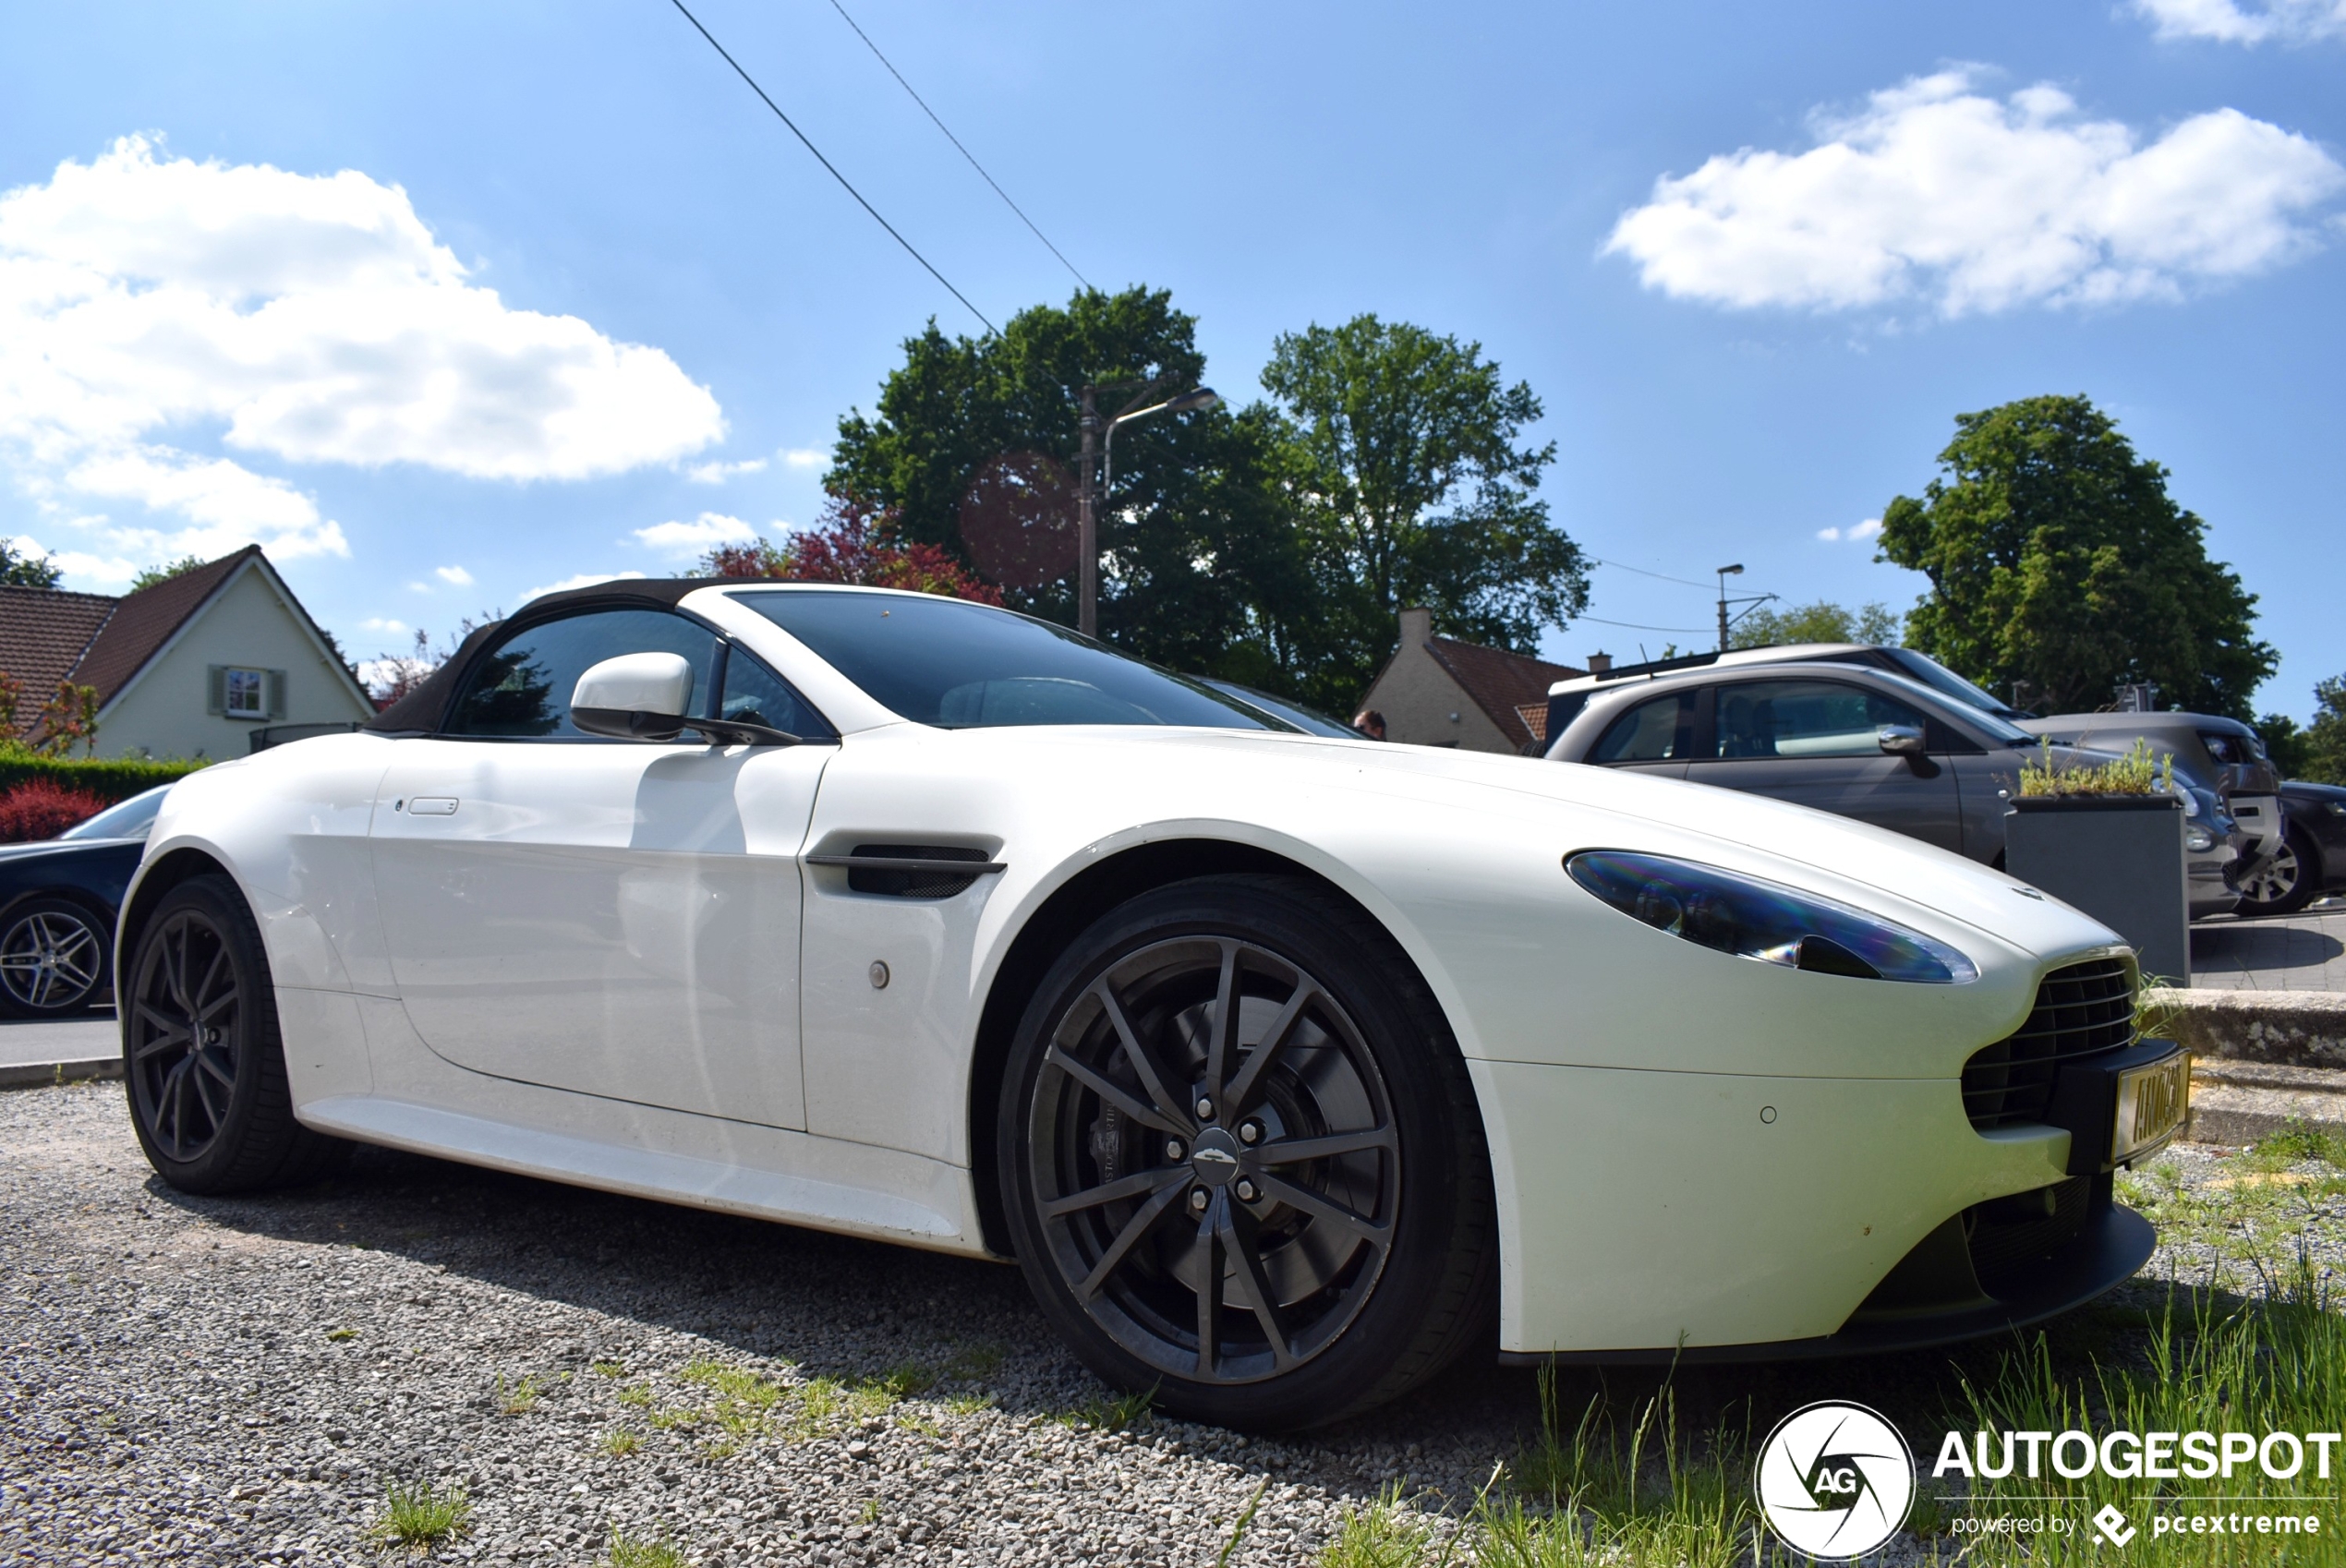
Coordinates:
[241,693]
[248,694]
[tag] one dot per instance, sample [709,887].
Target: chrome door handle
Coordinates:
[426,806]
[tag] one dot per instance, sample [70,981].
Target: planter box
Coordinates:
[2118,858]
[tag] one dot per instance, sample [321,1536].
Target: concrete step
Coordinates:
[2302,1028]
[2238,1102]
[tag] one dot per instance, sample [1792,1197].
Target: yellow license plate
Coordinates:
[2152,1103]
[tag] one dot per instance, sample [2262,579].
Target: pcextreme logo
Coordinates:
[1835,1480]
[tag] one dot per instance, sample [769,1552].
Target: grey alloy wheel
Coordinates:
[53,958]
[184,1033]
[1214,1160]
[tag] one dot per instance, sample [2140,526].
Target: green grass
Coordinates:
[613,1369]
[626,1551]
[2300,1142]
[982,1359]
[338,1336]
[519,1398]
[1385,1534]
[636,1394]
[1110,1414]
[619,1444]
[421,1516]
[2278,1364]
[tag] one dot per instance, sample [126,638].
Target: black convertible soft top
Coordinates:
[422,711]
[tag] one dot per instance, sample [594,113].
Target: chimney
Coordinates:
[1600,663]
[1417,628]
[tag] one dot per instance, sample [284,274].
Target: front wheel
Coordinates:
[54,957]
[1241,1158]
[209,1095]
[2287,881]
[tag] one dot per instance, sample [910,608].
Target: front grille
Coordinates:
[2081,1009]
[2011,1237]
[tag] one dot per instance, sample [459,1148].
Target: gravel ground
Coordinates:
[233,1381]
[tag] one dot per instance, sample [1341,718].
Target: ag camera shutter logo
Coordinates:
[1834,1479]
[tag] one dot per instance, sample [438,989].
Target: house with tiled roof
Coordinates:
[1440,691]
[191,666]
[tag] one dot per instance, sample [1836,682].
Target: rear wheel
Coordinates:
[1241,1160]
[208,1096]
[54,957]
[2287,881]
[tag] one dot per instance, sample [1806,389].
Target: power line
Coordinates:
[1641,571]
[1641,626]
[850,190]
[957,143]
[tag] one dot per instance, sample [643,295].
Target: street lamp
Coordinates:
[1726,573]
[1087,610]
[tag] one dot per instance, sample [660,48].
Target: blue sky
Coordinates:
[1754,258]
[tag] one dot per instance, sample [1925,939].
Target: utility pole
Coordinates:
[1726,573]
[1087,530]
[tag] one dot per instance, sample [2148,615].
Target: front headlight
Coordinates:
[1767,921]
[2197,840]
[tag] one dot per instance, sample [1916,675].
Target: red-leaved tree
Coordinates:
[41,808]
[852,542]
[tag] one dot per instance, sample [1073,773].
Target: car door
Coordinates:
[613,917]
[1654,736]
[1817,742]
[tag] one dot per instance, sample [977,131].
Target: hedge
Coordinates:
[110,779]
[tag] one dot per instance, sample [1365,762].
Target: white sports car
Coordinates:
[1288,1068]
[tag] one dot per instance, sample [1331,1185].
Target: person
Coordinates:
[1370,722]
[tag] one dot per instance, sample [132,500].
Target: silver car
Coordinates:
[1858,741]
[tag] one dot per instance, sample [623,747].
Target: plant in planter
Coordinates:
[2109,841]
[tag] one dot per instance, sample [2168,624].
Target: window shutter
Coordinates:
[276,694]
[216,682]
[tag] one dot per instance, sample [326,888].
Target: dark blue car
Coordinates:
[58,899]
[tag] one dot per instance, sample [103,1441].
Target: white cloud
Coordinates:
[1936,192]
[308,318]
[704,532]
[718,473]
[2227,21]
[584,580]
[385,623]
[455,576]
[804,456]
[1855,533]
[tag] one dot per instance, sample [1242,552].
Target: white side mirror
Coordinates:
[635,697]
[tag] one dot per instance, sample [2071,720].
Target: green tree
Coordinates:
[2057,559]
[151,575]
[26,571]
[1411,488]
[1823,621]
[1199,568]
[2316,752]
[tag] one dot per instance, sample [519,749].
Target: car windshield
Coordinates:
[1939,678]
[1304,718]
[130,819]
[963,666]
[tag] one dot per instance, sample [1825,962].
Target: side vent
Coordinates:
[911,870]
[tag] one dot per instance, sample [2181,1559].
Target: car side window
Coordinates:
[521,688]
[1806,718]
[755,694]
[1659,730]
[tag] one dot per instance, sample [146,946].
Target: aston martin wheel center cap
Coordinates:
[1215,1158]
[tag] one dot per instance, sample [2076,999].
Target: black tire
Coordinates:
[2289,881]
[205,1064]
[55,957]
[1316,1288]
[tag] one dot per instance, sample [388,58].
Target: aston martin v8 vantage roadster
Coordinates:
[1288,1068]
